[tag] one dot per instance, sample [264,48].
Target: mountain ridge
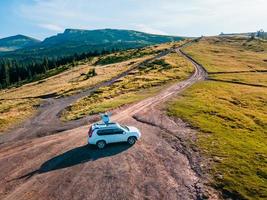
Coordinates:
[80,41]
[15,42]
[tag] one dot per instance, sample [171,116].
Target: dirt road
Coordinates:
[61,166]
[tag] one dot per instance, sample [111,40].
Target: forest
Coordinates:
[14,72]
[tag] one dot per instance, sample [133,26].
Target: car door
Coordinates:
[118,135]
[106,135]
[111,135]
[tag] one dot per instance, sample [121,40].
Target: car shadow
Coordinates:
[77,156]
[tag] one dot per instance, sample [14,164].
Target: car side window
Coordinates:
[110,131]
[103,132]
[117,131]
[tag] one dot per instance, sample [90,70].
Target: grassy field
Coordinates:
[20,102]
[74,79]
[257,78]
[132,54]
[231,118]
[67,82]
[141,83]
[15,111]
[230,54]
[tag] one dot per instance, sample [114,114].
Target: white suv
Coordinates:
[102,134]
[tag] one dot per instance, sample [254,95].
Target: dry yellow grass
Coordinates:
[17,104]
[219,54]
[140,84]
[256,78]
[66,82]
[72,81]
[15,111]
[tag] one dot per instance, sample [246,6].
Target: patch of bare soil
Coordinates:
[181,137]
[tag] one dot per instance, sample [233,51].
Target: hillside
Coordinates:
[17,42]
[104,36]
[78,41]
[73,80]
[31,62]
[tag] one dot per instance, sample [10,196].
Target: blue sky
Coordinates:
[43,18]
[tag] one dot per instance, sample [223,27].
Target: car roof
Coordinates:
[104,126]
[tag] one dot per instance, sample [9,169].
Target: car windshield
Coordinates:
[125,127]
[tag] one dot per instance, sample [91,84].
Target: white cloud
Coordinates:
[176,17]
[52,27]
[148,29]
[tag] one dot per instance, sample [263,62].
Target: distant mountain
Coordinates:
[78,41]
[105,36]
[17,42]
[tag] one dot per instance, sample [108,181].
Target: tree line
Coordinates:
[261,34]
[13,71]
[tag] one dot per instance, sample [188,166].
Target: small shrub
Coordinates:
[90,73]
[157,64]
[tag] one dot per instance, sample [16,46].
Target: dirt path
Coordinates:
[61,166]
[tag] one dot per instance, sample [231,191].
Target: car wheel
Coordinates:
[131,140]
[101,144]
